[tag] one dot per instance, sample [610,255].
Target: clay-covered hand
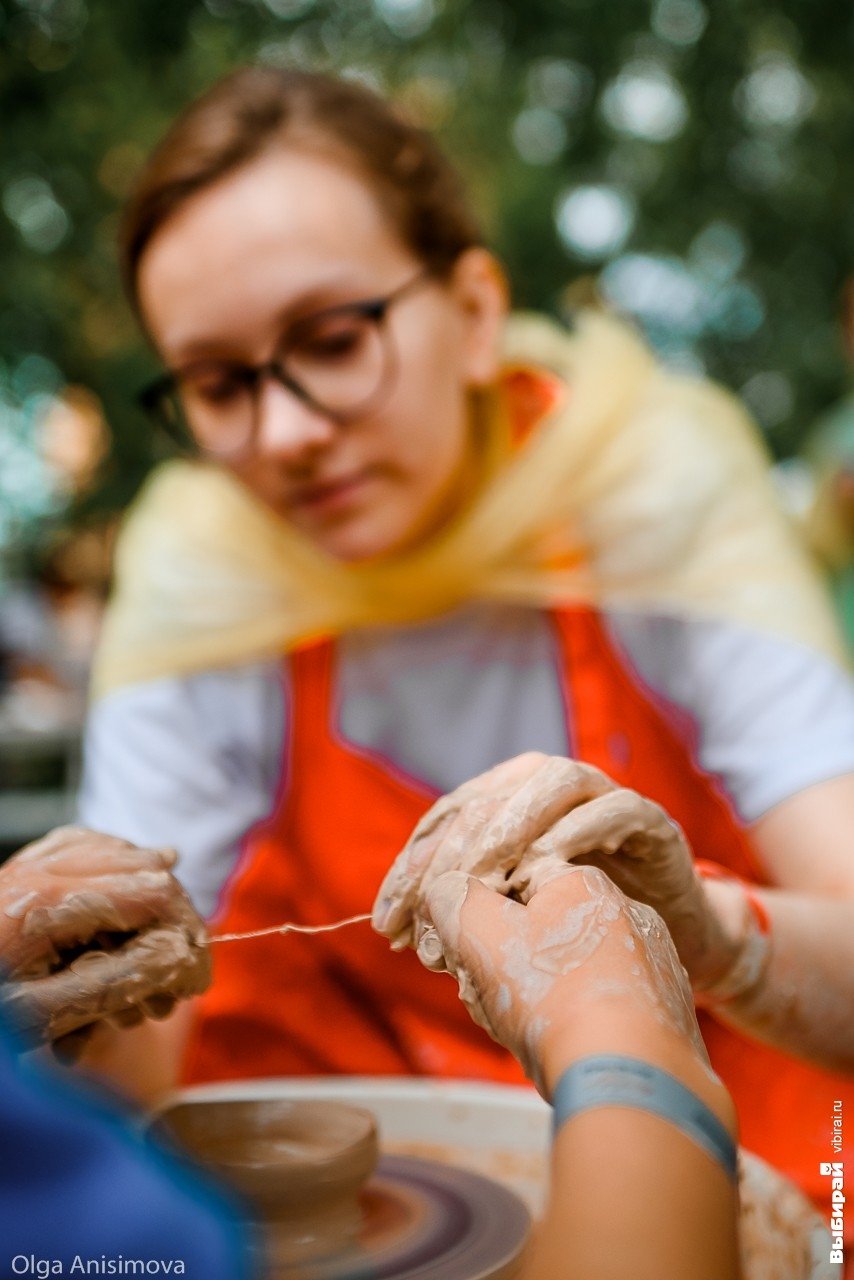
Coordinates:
[92,927]
[639,846]
[578,953]
[512,825]
[483,828]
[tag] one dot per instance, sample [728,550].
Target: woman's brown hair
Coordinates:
[255,108]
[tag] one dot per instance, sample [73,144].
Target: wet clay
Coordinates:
[273,1152]
[482,828]
[782,1235]
[290,928]
[94,928]
[509,828]
[142,977]
[521,983]
[328,1209]
[301,1165]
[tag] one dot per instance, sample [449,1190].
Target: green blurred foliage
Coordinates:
[723,137]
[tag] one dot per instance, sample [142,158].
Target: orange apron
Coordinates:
[342,1003]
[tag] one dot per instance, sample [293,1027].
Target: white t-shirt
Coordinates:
[194,762]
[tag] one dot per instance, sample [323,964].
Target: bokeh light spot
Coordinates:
[645,102]
[30,204]
[289,8]
[681,22]
[654,288]
[770,396]
[594,221]
[539,135]
[776,92]
[559,84]
[407,18]
[718,251]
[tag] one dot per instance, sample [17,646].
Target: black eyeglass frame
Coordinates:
[153,396]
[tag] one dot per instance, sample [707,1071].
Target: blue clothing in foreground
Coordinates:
[77,1184]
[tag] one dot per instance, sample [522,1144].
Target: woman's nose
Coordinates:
[288,427]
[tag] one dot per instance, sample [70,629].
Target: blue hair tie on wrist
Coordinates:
[611,1080]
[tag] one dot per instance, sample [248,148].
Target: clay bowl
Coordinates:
[300,1164]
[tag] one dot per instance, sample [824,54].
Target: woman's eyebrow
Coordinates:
[319,301]
[203,350]
[200,363]
[315,299]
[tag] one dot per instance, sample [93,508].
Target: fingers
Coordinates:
[556,788]
[539,875]
[465,914]
[95,857]
[121,903]
[61,890]
[602,825]
[67,1049]
[144,975]
[469,922]
[438,844]
[437,947]
[482,828]
[525,968]
[510,773]
[81,851]
[158,1007]
[77,888]
[620,821]
[396,897]
[452,850]
[444,902]
[131,1017]
[668,979]
[500,781]
[451,855]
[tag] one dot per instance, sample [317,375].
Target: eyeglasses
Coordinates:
[340,361]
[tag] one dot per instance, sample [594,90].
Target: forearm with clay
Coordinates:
[793,989]
[790,981]
[775,963]
[579,972]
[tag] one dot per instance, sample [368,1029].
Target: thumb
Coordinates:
[453,894]
[444,902]
[462,911]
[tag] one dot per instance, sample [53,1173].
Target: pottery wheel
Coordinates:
[422,1220]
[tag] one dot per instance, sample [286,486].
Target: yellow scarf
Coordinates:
[642,489]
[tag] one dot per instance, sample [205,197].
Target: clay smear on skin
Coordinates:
[781,1233]
[17,909]
[568,945]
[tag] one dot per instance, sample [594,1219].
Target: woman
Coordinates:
[421,542]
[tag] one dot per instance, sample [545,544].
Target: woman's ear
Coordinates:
[480,288]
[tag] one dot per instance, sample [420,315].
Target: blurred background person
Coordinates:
[54,572]
[506,537]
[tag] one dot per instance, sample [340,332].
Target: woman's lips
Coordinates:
[330,496]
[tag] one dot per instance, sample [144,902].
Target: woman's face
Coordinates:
[239,265]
